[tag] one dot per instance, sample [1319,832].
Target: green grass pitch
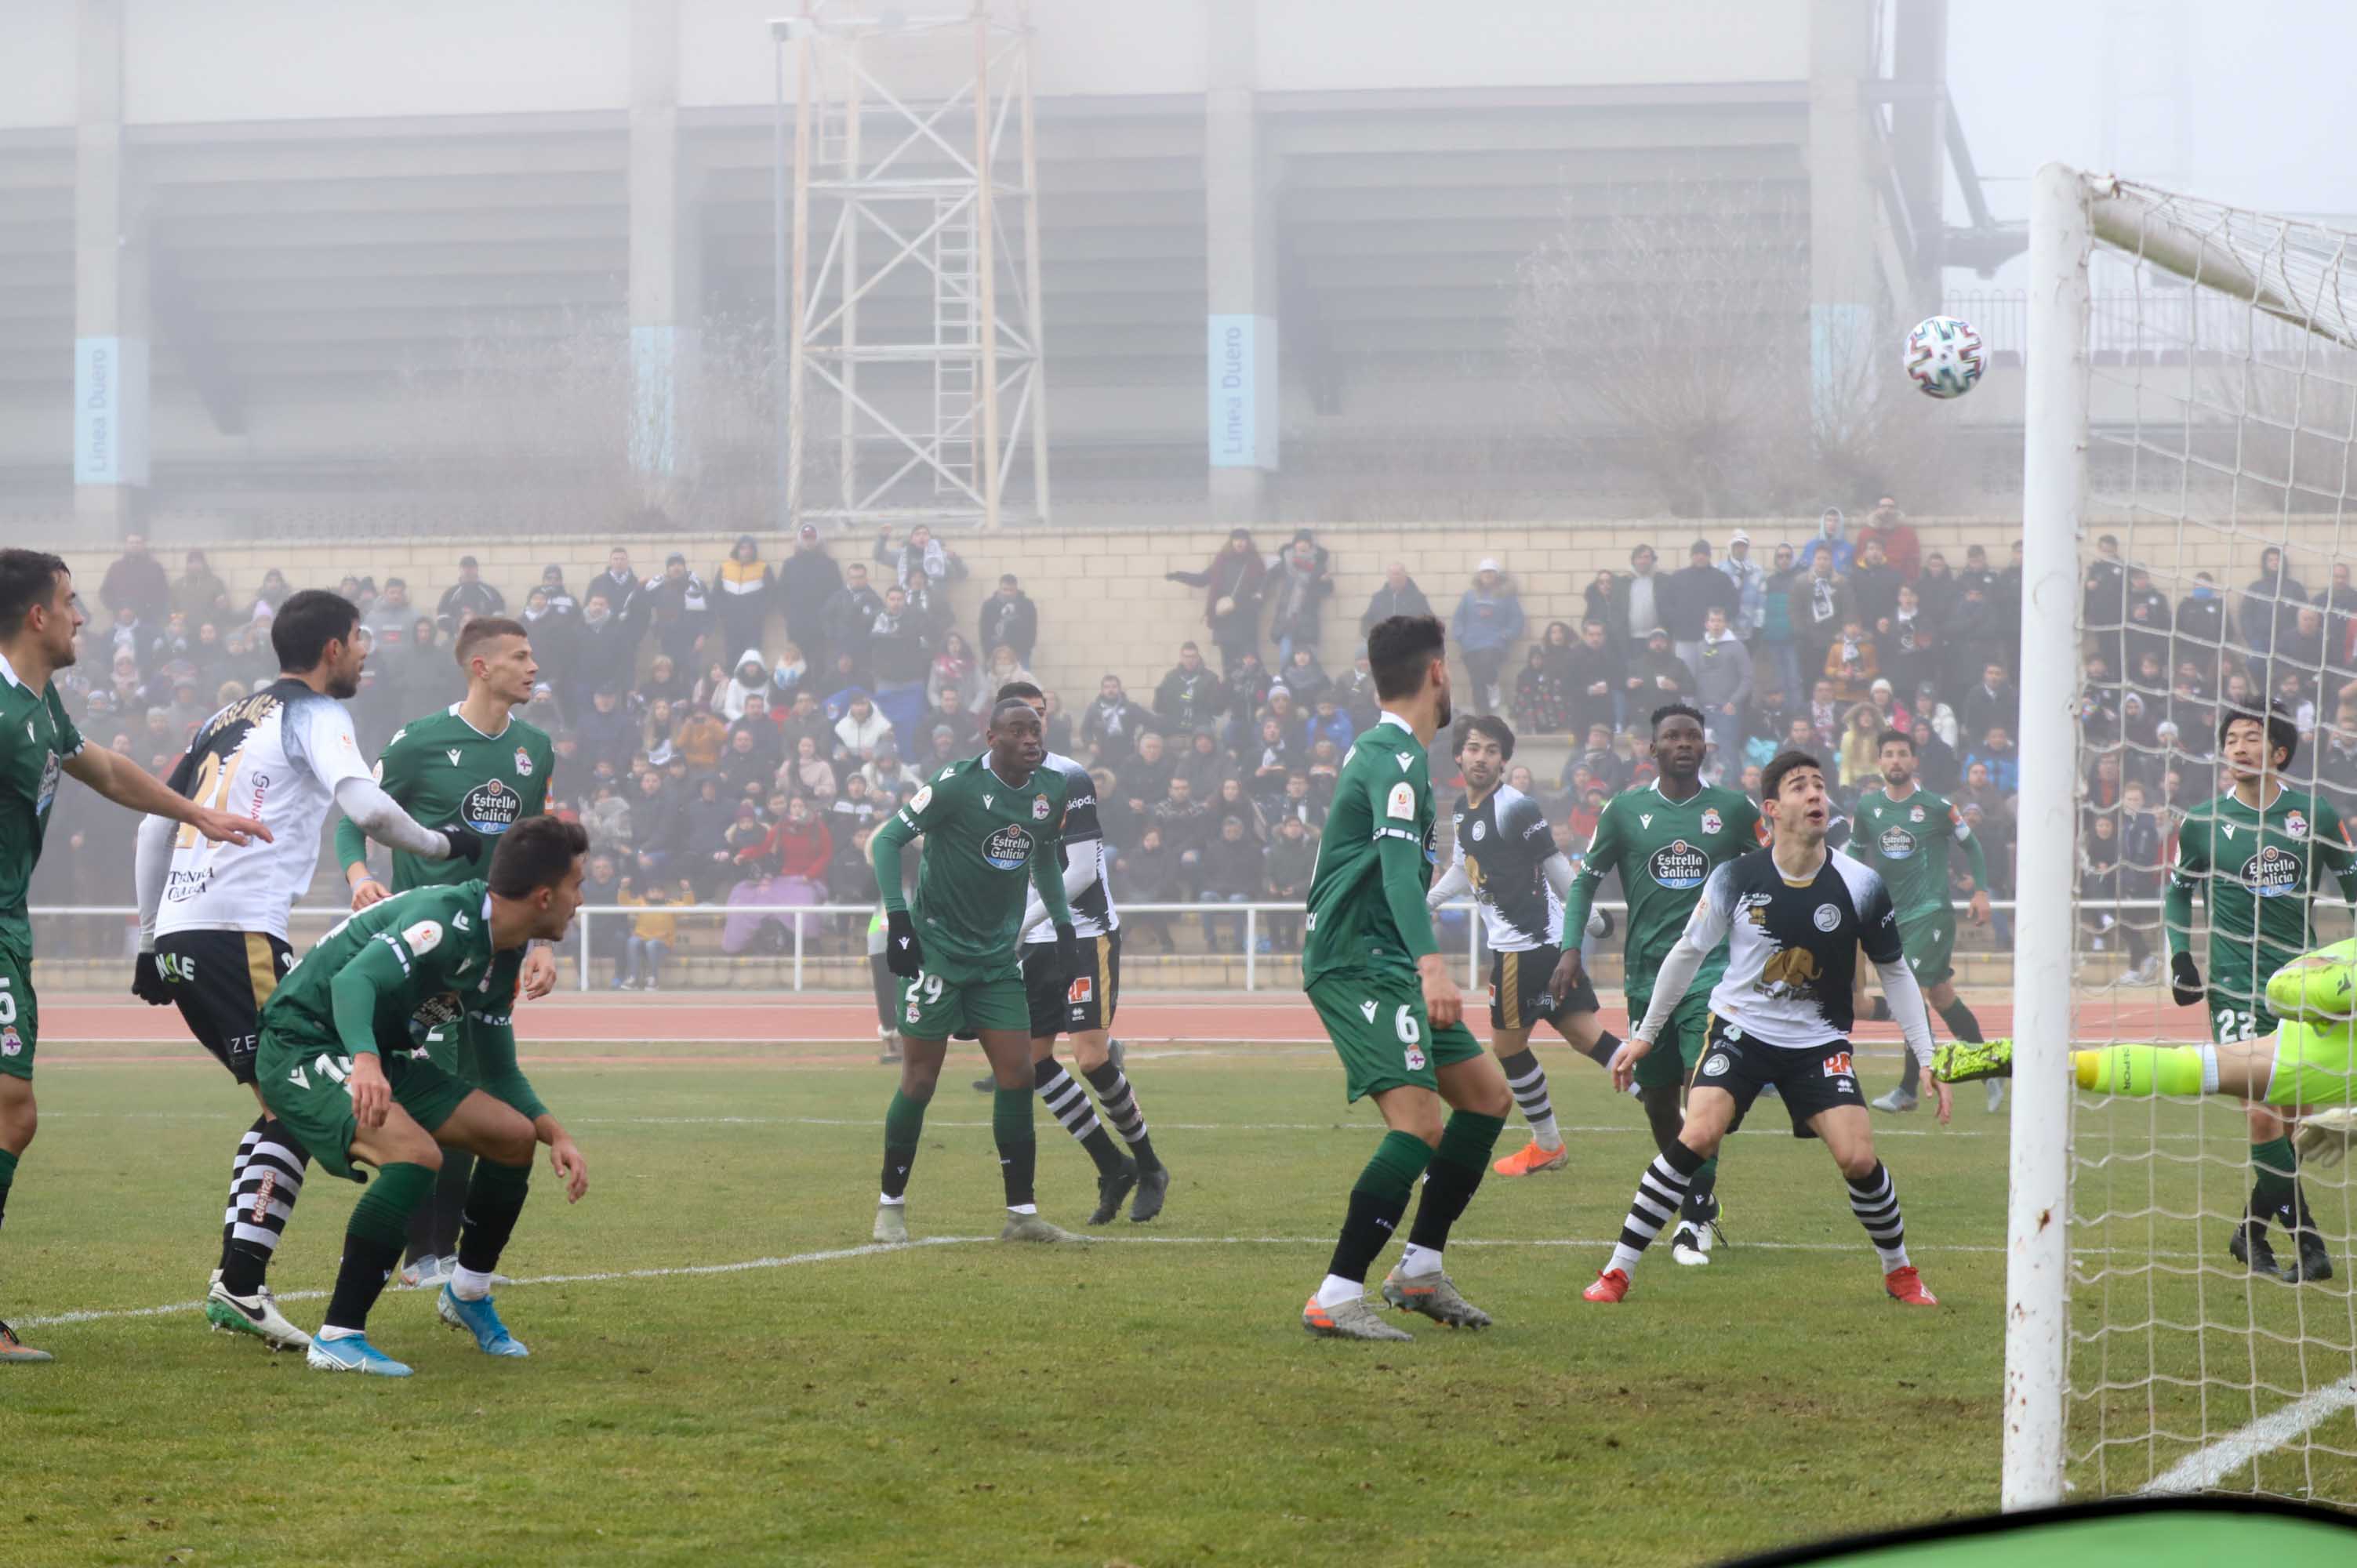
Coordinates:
[1148,1400]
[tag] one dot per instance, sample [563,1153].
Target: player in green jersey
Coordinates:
[1903,832]
[343,1064]
[1383,992]
[1665,839]
[475,764]
[39,617]
[989,825]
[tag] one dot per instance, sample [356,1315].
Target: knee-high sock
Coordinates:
[7,1180]
[1606,1045]
[261,1200]
[904,1123]
[2147,1069]
[1666,1117]
[494,1197]
[1019,1149]
[1450,1184]
[1528,1080]
[236,1176]
[1659,1192]
[2275,1165]
[1377,1201]
[1120,1102]
[434,1228]
[1873,1198]
[373,1243]
[1068,1103]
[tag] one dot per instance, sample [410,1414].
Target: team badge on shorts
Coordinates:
[1718,1065]
[1415,1059]
[916,1014]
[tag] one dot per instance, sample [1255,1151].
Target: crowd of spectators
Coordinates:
[708,771]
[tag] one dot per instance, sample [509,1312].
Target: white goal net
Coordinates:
[2191,419]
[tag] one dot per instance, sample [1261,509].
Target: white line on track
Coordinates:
[875,1249]
[2199,1472]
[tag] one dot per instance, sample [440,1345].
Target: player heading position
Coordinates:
[1793,917]
[2257,854]
[1903,832]
[212,917]
[337,1067]
[40,617]
[478,765]
[989,824]
[1082,1004]
[1665,839]
[1506,857]
[1382,990]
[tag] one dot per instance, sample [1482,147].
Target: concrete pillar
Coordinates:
[1844,293]
[1919,137]
[111,302]
[1241,273]
[666,261]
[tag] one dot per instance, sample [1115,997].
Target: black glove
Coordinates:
[148,982]
[2185,980]
[902,954]
[1068,951]
[465,844]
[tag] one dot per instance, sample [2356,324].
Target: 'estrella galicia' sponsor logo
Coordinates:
[1679,865]
[436,1012]
[2274,872]
[1008,849]
[492,808]
[1896,843]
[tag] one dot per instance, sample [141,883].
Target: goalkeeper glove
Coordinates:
[147,982]
[2184,979]
[465,844]
[902,954]
[1068,951]
[2324,1137]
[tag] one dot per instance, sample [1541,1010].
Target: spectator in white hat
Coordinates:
[1750,580]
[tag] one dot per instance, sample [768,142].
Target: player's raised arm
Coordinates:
[320,736]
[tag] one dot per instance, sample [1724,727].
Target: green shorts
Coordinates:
[1929,940]
[2315,1067]
[1673,1056]
[1379,1027]
[933,1008]
[2233,1019]
[20,1015]
[302,1080]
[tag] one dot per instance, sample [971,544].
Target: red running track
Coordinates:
[1271,1018]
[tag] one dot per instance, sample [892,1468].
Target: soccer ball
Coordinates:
[1944,355]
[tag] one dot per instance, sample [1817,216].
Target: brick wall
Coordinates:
[1105,606]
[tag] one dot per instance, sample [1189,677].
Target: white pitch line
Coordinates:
[875,1249]
[2200,1471]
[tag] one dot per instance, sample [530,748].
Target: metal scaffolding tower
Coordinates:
[917,312]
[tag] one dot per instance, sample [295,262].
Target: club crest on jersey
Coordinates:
[491,807]
[1827,917]
[2274,872]
[1711,820]
[1679,865]
[1038,808]
[1479,829]
[1008,849]
[1915,813]
[524,763]
[50,769]
[2294,825]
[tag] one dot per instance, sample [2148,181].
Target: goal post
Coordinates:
[2191,403]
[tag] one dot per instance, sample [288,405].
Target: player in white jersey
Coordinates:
[1083,1007]
[1506,857]
[1794,916]
[212,917]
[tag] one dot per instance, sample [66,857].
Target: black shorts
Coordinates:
[219,980]
[1810,1078]
[1072,1007]
[1518,990]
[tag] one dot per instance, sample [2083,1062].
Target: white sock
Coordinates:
[467,1284]
[1543,1129]
[1022,1209]
[888,1201]
[1624,1258]
[330,1332]
[1417,1262]
[1338,1290]
[2209,1071]
[1892,1257]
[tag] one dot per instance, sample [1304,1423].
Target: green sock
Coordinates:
[1398,1160]
[2273,1165]
[7,1180]
[383,1213]
[1018,1146]
[904,1123]
[1467,1139]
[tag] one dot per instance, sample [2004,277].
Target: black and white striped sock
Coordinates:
[268,1182]
[1873,1198]
[1120,1105]
[1659,1192]
[1528,1080]
[1068,1103]
[237,1174]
